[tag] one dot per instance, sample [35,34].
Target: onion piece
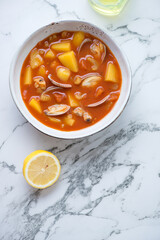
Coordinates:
[63,85]
[110,97]
[94,62]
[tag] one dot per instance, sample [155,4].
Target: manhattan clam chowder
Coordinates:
[70,81]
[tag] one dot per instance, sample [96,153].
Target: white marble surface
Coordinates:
[109,186]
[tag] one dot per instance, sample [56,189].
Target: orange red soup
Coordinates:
[70,81]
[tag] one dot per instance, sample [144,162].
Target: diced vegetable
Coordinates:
[72,101]
[50,55]
[78,38]
[28,76]
[69,121]
[61,47]
[36,105]
[55,120]
[69,60]
[63,73]
[59,96]
[54,64]
[35,59]
[69,116]
[42,71]
[111,73]
[99,91]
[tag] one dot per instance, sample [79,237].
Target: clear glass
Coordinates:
[108,7]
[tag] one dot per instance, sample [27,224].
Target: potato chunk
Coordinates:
[42,71]
[78,38]
[61,47]
[72,101]
[50,55]
[55,120]
[111,73]
[34,103]
[28,76]
[69,60]
[69,121]
[63,73]
[35,59]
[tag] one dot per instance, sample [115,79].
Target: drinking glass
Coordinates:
[108,7]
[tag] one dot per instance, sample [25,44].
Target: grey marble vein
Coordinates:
[54,6]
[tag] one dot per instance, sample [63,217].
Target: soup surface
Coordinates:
[70,81]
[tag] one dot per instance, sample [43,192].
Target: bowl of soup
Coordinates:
[70,79]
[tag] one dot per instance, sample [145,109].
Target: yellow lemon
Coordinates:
[41,169]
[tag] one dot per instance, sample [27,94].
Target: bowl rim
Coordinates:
[86,134]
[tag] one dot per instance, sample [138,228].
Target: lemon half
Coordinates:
[41,169]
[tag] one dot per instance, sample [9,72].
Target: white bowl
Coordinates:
[70,26]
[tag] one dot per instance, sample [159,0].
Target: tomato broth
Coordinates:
[70,81]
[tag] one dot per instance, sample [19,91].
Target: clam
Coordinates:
[57,110]
[78,79]
[95,64]
[98,49]
[63,85]
[91,81]
[86,40]
[39,82]
[110,97]
[44,96]
[87,117]
[80,96]
[80,112]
